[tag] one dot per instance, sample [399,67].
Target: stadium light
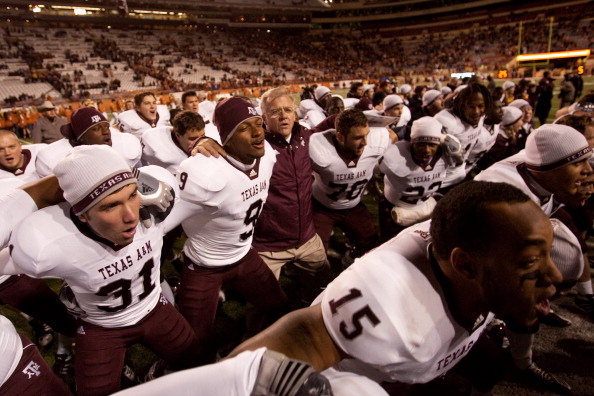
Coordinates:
[553,55]
[36,9]
[80,11]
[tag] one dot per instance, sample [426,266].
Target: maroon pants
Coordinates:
[33,377]
[35,298]
[356,223]
[100,351]
[199,290]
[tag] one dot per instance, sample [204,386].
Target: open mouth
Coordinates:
[259,144]
[543,307]
[129,233]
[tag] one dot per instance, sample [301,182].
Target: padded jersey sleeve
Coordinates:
[32,250]
[199,182]
[14,207]
[394,162]
[382,317]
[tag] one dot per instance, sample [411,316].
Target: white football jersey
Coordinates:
[405,117]
[130,122]
[159,148]
[339,183]
[225,203]
[126,145]
[485,141]
[15,205]
[388,311]
[11,349]
[116,286]
[11,213]
[510,171]
[406,184]
[313,118]
[307,105]
[30,152]
[466,134]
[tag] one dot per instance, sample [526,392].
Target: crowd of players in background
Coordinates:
[407,146]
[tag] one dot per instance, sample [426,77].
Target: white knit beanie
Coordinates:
[426,130]
[430,97]
[552,146]
[566,252]
[510,115]
[321,91]
[91,172]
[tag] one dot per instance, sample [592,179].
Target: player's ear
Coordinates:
[339,137]
[83,218]
[463,263]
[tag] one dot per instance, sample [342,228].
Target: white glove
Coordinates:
[280,376]
[453,150]
[156,197]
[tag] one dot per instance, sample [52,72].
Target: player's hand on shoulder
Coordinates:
[279,375]
[207,147]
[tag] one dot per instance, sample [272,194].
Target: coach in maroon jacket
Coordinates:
[285,230]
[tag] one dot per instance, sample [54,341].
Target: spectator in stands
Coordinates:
[545,97]
[47,127]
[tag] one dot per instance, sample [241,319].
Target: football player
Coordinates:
[343,161]
[16,161]
[88,126]
[409,310]
[146,114]
[413,172]
[465,122]
[95,242]
[168,147]
[221,200]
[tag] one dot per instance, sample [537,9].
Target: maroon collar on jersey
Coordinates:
[177,143]
[349,162]
[153,124]
[250,173]
[19,171]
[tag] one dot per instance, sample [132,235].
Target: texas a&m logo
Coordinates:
[95,119]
